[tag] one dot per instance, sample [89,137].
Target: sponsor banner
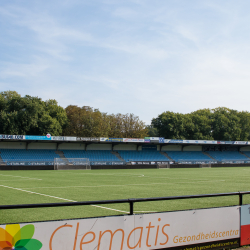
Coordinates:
[147,140]
[154,139]
[38,138]
[29,163]
[87,138]
[12,137]
[245,225]
[148,162]
[166,140]
[240,142]
[63,138]
[175,141]
[144,231]
[103,139]
[133,140]
[112,139]
[199,142]
[104,163]
[161,140]
[220,142]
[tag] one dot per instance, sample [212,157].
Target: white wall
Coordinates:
[71,146]
[125,147]
[171,148]
[13,145]
[99,147]
[46,145]
[192,148]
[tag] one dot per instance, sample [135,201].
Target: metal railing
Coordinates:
[130,201]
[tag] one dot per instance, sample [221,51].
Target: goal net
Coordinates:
[205,165]
[71,163]
[163,165]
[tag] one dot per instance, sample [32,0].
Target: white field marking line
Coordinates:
[21,177]
[16,180]
[23,190]
[165,183]
[126,175]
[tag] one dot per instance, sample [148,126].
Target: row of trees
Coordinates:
[86,121]
[32,116]
[204,124]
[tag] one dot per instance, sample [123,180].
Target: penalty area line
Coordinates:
[55,197]
[21,177]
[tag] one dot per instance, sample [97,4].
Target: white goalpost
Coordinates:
[205,165]
[71,163]
[163,165]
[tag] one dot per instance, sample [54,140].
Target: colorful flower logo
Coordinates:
[15,238]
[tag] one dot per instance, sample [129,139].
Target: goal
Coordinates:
[205,165]
[71,163]
[163,165]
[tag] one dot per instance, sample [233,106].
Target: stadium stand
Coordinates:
[227,155]
[247,153]
[48,155]
[179,156]
[92,155]
[131,155]
[31,154]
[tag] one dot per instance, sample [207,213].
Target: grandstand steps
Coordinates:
[244,154]
[167,156]
[207,154]
[62,156]
[117,155]
[1,160]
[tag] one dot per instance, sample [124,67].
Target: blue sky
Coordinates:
[135,56]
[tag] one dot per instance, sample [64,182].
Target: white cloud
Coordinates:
[135,56]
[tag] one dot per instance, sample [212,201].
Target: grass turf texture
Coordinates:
[26,187]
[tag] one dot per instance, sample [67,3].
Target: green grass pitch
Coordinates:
[26,187]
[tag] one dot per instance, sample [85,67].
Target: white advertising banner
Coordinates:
[133,140]
[199,142]
[143,231]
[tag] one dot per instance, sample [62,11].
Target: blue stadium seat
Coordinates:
[227,155]
[130,155]
[92,155]
[179,156]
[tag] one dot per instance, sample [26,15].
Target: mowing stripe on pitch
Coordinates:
[55,197]
[21,177]
[124,185]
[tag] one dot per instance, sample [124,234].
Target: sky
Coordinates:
[134,56]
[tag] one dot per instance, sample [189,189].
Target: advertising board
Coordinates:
[172,230]
[63,138]
[245,225]
[133,140]
[149,162]
[87,138]
[199,142]
[38,138]
[111,139]
[12,137]
[240,142]
[154,139]
[175,141]
[161,140]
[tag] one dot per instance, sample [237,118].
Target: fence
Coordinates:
[129,201]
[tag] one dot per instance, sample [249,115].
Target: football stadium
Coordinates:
[56,179]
